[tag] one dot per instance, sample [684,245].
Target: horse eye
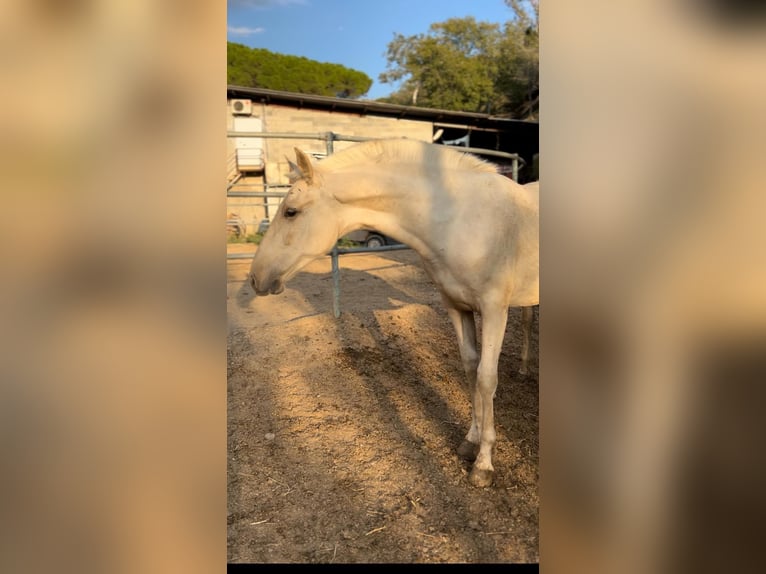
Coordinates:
[291,212]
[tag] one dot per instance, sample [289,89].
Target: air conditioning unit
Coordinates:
[242,107]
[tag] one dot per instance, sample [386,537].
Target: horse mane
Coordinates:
[405,151]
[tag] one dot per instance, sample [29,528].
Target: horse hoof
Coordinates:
[480,477]
[468,450]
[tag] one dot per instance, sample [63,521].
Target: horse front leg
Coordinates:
[465,329]
[492,333]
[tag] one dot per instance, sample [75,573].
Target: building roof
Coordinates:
[369,107]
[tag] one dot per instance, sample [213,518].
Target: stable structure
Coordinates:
[258,165]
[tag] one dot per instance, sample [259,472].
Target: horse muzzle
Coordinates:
[274,287]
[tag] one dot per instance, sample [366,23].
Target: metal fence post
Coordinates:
[329,139]
[334,256]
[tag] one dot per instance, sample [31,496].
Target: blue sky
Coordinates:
[353,33]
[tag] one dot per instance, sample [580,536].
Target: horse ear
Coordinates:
[305,167]
[295,172]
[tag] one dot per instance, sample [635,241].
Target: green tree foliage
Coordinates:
[452,67]
[260,68]
[519,77]
[465,65]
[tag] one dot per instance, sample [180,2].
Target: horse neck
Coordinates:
[383,199]
[380,194]
[375,186]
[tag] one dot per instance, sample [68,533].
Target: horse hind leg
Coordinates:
[527,315]
[465,328]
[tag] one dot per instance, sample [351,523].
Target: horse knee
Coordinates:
[486,380]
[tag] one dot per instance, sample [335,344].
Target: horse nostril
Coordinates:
[252,281]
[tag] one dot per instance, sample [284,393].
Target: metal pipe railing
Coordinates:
[341,251]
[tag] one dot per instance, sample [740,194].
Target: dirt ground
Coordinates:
[342,433]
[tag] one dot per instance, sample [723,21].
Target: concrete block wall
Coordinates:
[286,119]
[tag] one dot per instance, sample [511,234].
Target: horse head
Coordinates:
[304,228]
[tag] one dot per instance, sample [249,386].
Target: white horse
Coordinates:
[476,231]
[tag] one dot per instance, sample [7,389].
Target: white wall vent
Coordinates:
[242,107]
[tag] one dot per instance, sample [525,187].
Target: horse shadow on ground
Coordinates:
[402,382]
